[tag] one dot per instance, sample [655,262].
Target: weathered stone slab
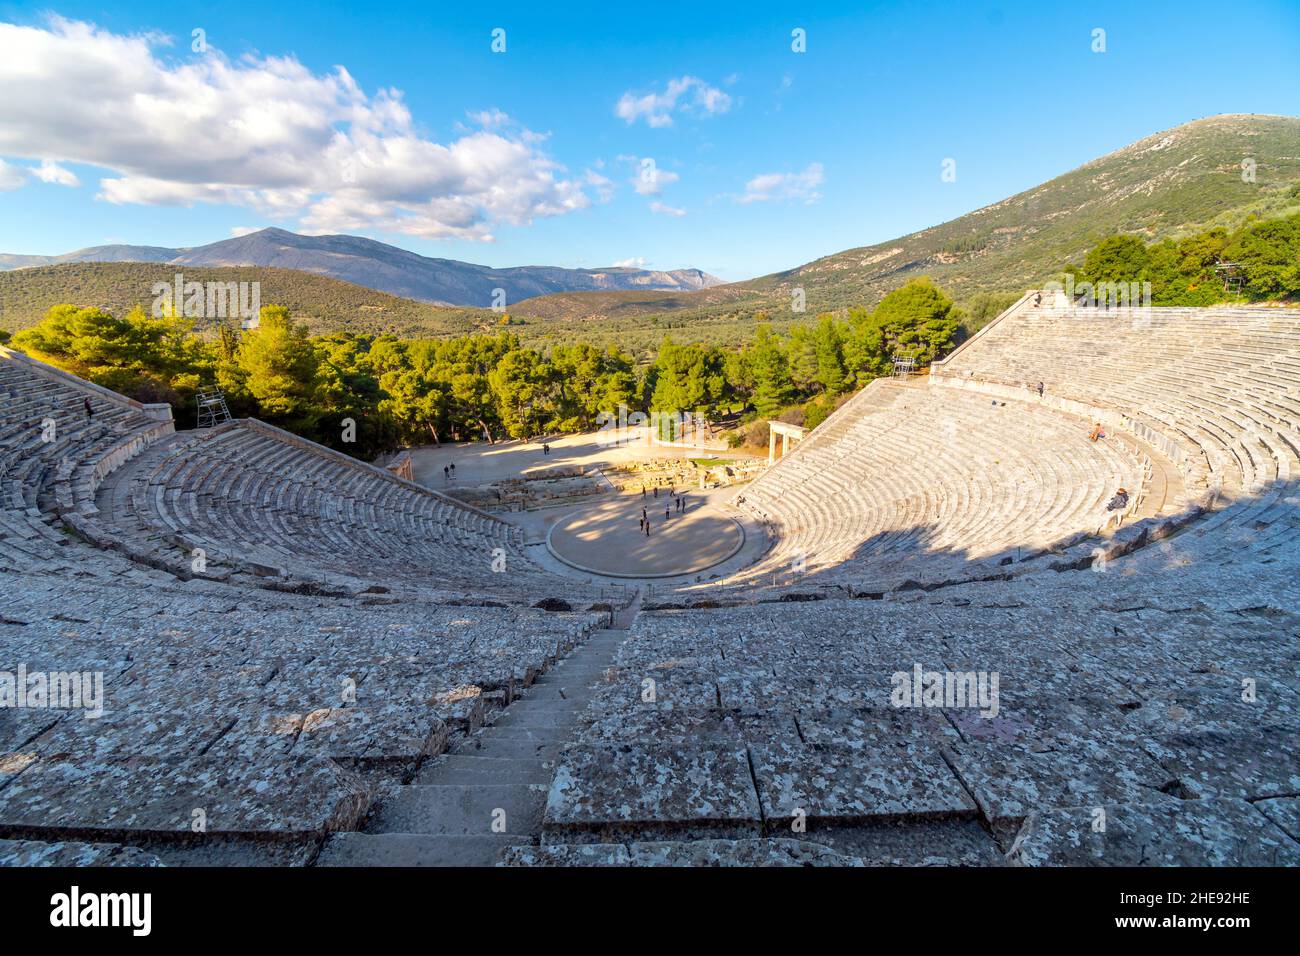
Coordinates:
[768,852]
[167,731]
[1213,702]
[1217,832]
[1285,812]
[1047,723]
[567,854]
[19,728]
[1253,763]
[458,809]
[798,691]
[631,785]
[1011,780]
[270,799]
[876,730]
[413,849]
[682,727]
[934,841]
[37,853]
[828,785]
[653,689]
[389,741]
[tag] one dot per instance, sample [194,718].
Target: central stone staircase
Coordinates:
[467,806]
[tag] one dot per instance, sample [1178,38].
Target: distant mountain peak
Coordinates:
[377,265]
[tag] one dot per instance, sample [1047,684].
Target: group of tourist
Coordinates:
[449,471]
[675,503]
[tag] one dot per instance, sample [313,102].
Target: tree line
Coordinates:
[1258,261]
[401,391]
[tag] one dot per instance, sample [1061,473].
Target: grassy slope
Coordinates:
[1165,185]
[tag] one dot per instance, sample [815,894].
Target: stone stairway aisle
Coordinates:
[465,807]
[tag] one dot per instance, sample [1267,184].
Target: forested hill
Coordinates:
[321,303]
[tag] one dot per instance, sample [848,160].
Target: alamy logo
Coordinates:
[53,690]
[622,427]
[74,909]
[1104,295]
[950,689]
[207,300]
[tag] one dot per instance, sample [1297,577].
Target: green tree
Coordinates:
[739,373]
[277,364]
[773,387]
[591,381]
[865,354]
[142,357]
[522,385]
[689,378]
[915,319]
[1116,259]
[801,354]
[828,341]
[1269,254]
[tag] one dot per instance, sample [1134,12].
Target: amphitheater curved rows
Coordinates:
[1156,692]
[974,471]
[346,634]
[1218,389]
[918,479]
[251,496]
[259,719]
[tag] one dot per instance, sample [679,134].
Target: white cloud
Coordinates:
[687,94]
[15,177]
[785,186]
[489,119]
[11,177]
[636,262]
[603,185]
[48,172]
[266,133]
[237,231]
[650,180]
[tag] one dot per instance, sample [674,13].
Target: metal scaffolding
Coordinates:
[212,408]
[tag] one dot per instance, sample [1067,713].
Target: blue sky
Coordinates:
[763,158]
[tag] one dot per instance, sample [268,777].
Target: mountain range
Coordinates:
[384,267]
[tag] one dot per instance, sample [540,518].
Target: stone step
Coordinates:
[578,694]
[580,676]
[539,708]
[539,730]
[593,659]
[415,849]
[574,691]
[603,643]
[510,749]
[470,810]
[525,718]
[478,769]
